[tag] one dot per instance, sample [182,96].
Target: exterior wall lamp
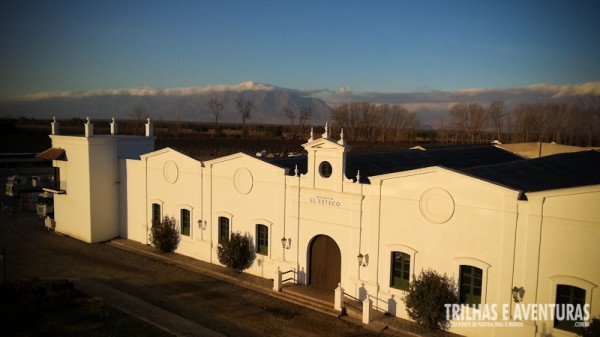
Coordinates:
[286,243]
[363,258]
[517,294]
[202,224]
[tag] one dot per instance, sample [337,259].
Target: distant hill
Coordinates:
[187,104]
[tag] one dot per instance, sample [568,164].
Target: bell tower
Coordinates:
[326,162]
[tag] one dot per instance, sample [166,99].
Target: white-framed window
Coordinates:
[569,290]
[185,220]
[262,239]
[263,229]
[401,266]
[472,280]
[156,208]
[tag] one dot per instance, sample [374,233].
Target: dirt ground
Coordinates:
[31,251]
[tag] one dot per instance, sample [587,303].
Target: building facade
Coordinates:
[490,219]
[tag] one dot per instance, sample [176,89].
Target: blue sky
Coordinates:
[367,46]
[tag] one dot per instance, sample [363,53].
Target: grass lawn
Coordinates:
[55,308]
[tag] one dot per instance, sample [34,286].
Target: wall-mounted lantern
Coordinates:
[363,258]
[285,243]
[516,295]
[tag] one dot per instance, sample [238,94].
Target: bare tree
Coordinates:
[138,114]
[290,112]
[215,107]
[495,114]
[245,107]
[467,119]
[305,116]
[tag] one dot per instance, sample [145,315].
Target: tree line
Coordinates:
[543,122]
[465,123]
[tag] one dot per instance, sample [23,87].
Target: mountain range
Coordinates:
[189,103]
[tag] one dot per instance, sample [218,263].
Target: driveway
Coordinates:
[223,307]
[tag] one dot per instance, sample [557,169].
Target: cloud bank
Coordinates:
[145,91]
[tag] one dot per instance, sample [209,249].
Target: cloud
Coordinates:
[146,91]
[345,90]
[559,90]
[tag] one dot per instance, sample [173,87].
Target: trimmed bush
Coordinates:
[237,253]
[426,297]
[164,235]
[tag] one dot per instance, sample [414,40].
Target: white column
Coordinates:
[339,297]
[114,127]
[277,280]
[89,128]
[366,314]
[55,126]
[149,130]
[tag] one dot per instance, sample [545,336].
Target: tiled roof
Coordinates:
[52,154]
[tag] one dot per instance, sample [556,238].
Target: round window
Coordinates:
[325,169]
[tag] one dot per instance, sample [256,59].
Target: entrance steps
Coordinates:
[313,298]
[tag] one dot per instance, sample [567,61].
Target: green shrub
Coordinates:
[426,297]
[164,235]
[593,330]
[236,253]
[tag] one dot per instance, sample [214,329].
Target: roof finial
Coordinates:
[326,134]
[296,172]
[342,141]
[358,176]
[311,135]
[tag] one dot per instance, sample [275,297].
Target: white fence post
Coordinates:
[339,297]
[366,314]
[277,280]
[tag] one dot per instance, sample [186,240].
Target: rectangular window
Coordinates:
[568,296]
[155,212]
[185,222]
[400,271]
[262,239]
[223,229]
[470,284]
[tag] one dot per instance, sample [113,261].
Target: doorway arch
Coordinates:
[325,263]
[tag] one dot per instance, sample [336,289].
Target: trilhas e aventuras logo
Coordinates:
[494,315]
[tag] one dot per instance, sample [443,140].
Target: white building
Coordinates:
[490,219]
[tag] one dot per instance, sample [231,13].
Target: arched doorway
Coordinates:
[325,263]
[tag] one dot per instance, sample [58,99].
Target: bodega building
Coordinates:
[511,231]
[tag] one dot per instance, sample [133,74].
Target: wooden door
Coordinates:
[325,263]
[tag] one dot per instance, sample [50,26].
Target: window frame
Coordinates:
[152,212]
[220,236]
[386,284]
[572,281]
[484,266]
[403,265]
[262,249]
[472,276]
[182,224]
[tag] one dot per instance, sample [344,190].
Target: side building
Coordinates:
[367,223]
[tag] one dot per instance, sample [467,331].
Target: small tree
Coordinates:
[164,235]
[236,253]
[426,297]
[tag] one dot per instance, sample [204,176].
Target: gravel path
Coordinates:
[217,305]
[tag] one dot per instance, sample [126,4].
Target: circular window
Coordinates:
[325,169]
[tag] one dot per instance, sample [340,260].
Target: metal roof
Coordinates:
[541,174]
[488,163]
[373,164]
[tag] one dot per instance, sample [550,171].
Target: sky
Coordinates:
[346,46]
